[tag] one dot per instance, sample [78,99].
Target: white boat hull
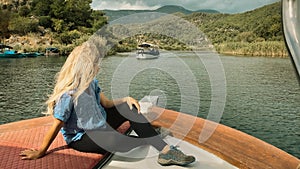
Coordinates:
[147,51]
[146,56]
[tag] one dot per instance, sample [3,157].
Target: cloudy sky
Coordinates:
[224,6]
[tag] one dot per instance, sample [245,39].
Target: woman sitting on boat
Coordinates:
[88,119]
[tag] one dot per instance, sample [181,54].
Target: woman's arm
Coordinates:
[107,103]
[31,154]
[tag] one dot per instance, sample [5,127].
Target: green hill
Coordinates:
[256,32]
[260,24]
[169,9]
[179,9]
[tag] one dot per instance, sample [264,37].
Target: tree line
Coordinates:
[66,19]
[73,21]
[253,33]
[257,32]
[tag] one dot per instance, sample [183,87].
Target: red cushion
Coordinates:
[59,156]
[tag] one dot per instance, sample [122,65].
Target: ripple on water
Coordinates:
[263,94]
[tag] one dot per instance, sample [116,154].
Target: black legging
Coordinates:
[108,139]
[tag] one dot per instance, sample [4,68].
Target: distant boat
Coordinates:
[147,51]
[32,54]
[11,54]
[8,52]
[52,51]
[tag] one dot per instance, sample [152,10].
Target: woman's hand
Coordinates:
[107,103]
[132,102]
[31,154]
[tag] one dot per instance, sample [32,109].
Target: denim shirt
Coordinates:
[64,111]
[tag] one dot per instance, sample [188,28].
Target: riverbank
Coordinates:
[37,43]
[267,49]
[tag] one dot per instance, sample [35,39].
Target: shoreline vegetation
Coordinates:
[37,25]
[275,49]
[267,49]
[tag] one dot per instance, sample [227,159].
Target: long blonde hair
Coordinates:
[79,70]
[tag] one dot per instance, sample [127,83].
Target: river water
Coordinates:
[262,94]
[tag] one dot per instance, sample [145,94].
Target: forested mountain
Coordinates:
[66,24]
[36,24]
[257,32]
[169,9]
[257,25]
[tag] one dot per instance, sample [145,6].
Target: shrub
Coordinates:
[23,25]
[69,37]
[45,21]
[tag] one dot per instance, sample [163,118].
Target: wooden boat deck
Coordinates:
[238,148]
[21,135]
